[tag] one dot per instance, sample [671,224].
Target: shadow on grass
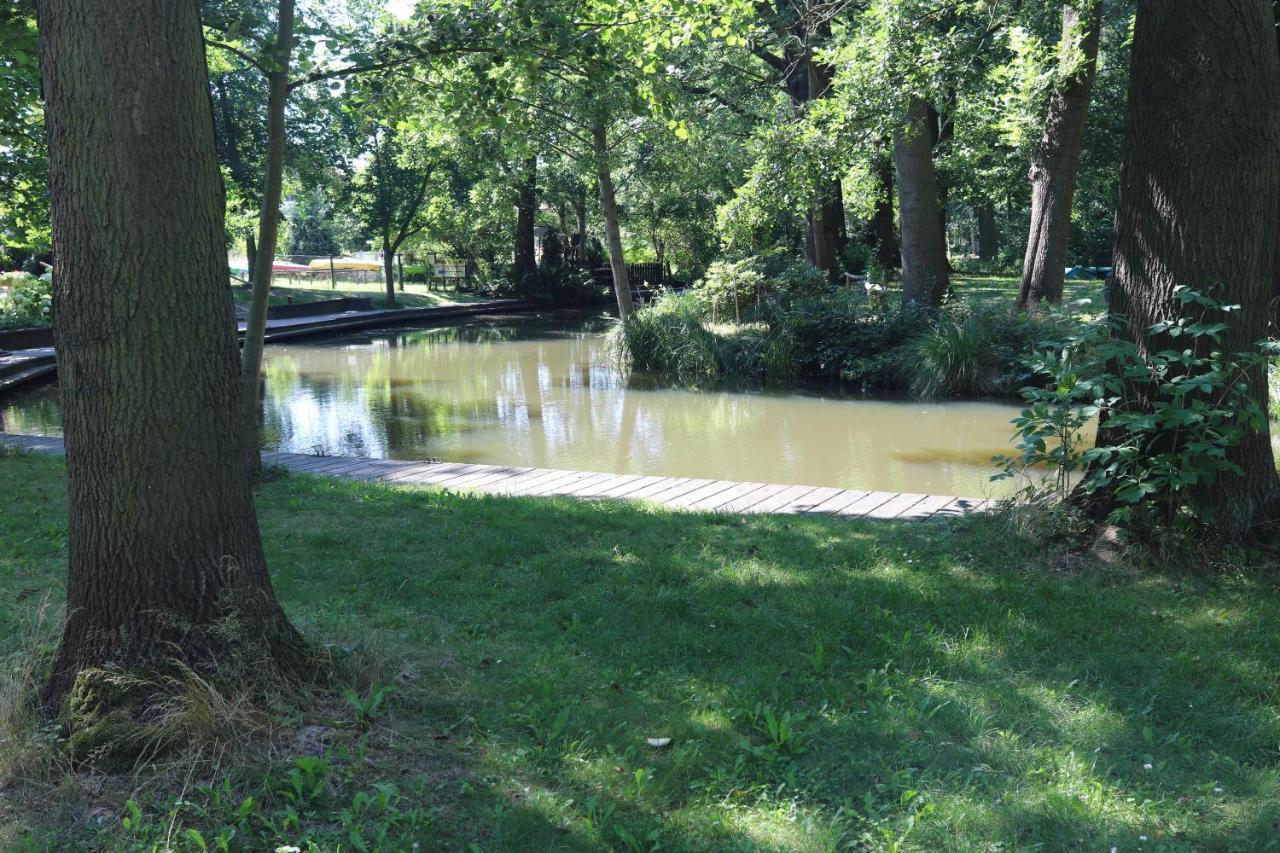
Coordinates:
[822,682]
[940,683]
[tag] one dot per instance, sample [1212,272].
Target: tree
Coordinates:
[925,274]
[268,228]
[387,196]
[1199,192]
[526,263]
[164,554]
[1057,160]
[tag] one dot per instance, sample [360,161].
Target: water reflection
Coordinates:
[543,392]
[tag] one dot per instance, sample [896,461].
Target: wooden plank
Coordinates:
[837,502]
[629,490]
[892,509]
[682,488]
[485,472]
[323,463]
[531,484]
[662,484]
[864,505]
[448,480]
[349,464]
[957,507]
[925,509]
[710,490]
[400,472]
[811,500]
[782,499]
[496,478]
[719,499]
[750,499]
[564,486]
[516,484]
[615,481]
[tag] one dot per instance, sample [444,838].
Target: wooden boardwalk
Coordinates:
[674,492]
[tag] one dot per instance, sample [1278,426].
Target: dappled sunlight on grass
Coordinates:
[821,682]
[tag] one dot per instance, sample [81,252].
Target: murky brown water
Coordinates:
[543,392]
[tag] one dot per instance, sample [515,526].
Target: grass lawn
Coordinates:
[824,684]
[316,290]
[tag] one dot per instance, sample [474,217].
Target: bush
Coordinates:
[1156,455]
[668,338]
[25,300]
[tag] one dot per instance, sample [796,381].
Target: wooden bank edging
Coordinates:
[40,362]
[683,493]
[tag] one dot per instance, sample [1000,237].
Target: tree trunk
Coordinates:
[268,228]
[526,263]
[886,236]
[613,232]
[1057,160]
[389,270]
[163,546]
[1199,191]
[580,208]
[250,253]
[924,255]
[988,233]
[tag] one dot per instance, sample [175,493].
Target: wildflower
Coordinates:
[1147,766]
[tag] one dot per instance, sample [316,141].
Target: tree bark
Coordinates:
[988,233]
[163,543]
[526,262]
[925,276]
[389,269]
[882,222]
[613,232]
[1057,160]
[1199,191]
[268,229]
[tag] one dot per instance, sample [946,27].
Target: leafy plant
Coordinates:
[1155,448]
[25,299]
[369,708]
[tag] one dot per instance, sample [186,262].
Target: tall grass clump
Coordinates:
[27,746]
[668,337]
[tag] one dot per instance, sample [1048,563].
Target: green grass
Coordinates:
[823,683]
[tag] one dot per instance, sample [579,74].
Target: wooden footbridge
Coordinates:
[697,495]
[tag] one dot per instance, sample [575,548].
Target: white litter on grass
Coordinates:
[658,742]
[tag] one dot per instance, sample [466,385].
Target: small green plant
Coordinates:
[370,708]
[779,730]
[819,658]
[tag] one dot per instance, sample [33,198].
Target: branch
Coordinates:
[238,52]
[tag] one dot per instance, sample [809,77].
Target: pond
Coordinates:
[543,391]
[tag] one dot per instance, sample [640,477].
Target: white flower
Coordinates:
[1217,790]
[1147,766]
[1142,838]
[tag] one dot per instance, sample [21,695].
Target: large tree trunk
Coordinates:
[1057,160]
[925,275]
[1199,190]
[526,262]
[163,546]
[580,208]
[268,229]
[613,231]
[886,235]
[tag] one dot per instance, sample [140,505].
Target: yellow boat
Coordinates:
[345,264]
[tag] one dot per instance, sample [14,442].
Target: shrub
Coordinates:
[1155,455]
[25,300]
